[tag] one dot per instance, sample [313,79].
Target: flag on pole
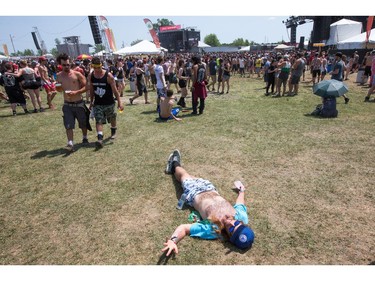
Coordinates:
[152,32]
[370,21]
[108,33]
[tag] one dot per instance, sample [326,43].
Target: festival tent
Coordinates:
[144,47]
[343,29]
[283,47]
[3,57]
[245,49]
[202,44]
[358,42]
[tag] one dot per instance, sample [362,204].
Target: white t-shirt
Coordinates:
[159,70]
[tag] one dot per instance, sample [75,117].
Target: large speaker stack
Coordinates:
[35,40]
[95,30]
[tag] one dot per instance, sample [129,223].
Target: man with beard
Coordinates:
[73,85]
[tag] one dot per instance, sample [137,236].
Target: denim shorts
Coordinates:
[192,187]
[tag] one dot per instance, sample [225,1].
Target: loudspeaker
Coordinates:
[301,43]
[35,40]
[95,30]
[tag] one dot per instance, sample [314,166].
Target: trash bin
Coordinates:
[132,84]
[360,75]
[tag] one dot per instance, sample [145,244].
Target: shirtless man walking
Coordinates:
[219,217]
[73,85]
[47,84]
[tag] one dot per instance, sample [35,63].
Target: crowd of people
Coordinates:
[172,77]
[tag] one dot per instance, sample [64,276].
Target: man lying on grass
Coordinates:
[219,218]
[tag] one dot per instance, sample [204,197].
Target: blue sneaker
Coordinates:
[174,156]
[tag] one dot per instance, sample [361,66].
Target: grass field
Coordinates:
[310,182]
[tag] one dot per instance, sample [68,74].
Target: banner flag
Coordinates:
[370,21]
[154,36]
[108,33]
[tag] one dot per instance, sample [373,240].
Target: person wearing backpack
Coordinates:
[199,78]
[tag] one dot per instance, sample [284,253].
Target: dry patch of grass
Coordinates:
[310,182]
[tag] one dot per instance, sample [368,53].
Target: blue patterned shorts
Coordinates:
[192,187]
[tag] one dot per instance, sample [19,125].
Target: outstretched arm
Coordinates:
[241,195]
[171,243]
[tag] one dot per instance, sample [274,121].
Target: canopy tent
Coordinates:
[343,29]
[3,57]
[100,54]
[144,47]
[358,42]
[202,44]
[283,47]
[245,49]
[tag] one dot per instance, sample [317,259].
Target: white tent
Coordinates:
[245,49]
[202,44]
[358,42]
[144,47]
[3,57]
[283,47]
[100,54]
[343,29]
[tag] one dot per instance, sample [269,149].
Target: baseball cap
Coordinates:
[243,237]
[42,59]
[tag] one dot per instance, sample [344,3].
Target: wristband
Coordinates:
[174,239]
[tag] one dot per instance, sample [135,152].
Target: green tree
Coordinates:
[212,40]
[162,22]
[28,52]
[98,48]
[135,42]
[54,52]
[240,42]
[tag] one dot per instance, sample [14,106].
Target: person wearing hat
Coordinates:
[217,217]
[337,72]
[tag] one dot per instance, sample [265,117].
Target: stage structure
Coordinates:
[177,39]
[73,47]
[321,26]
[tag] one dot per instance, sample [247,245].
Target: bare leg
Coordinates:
[181,174]
[69,134]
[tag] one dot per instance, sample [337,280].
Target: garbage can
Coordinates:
[132,84]
[360,75]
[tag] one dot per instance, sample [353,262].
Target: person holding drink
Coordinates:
[72,84]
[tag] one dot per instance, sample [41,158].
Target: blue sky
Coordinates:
[259,21]
[126,29]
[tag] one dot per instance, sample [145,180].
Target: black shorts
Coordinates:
[367,71]
[294,80]
[315,73]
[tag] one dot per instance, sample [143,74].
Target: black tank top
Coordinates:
[102,90]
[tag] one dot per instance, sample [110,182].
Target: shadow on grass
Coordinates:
[64,152]
[163,260]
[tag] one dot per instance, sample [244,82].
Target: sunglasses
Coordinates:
[231,229]
[96,66]
[67,64]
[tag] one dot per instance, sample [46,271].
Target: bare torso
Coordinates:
[71,82]
[211,204]
[166,105]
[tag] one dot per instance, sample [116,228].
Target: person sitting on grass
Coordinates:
[166,107]
[219,218]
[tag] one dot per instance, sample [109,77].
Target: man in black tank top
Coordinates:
[102,87]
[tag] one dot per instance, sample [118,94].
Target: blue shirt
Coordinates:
[204,229]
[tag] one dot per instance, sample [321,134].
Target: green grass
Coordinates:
[309,181]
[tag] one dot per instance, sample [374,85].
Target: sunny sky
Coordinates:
[252,20]
[126,29]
